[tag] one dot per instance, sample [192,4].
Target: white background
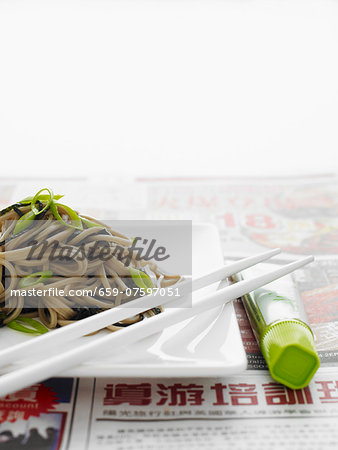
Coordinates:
[135,88]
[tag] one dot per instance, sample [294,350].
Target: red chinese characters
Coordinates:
[134,394]
[277,394]
[243,394]
[240,394]
[327,389]
[180,395]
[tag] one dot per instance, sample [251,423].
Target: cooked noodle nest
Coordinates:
[76,272]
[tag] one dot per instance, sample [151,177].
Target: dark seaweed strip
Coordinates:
[18,211]
[39,217]
[6,274]
[40,205]
[2,318]
[123,325]
[6,210]
[82,313]
[9,208]
[3,276]
[28,310]
[42,215]
[47,313]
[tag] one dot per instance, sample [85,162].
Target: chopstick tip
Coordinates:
[310,258]
[304,261]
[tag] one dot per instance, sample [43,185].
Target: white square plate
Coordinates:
[206,345]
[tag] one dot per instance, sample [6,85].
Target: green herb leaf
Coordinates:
[24,222]
[41,197]
[36,198]
[141,279]
[35,327]
[34,278]
[75,219]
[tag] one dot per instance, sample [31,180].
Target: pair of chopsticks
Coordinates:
[70,357]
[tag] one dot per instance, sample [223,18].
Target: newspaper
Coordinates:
[245,411]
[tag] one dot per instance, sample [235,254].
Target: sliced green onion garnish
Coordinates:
[35,326]
[75,219]
[28,200]
[141,279]
[34,278]
[41,197]
[37,198]
[24,222]
[49,202]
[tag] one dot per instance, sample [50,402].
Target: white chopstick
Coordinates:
[55,365]
[85,326]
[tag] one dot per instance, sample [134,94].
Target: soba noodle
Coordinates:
[19,240]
